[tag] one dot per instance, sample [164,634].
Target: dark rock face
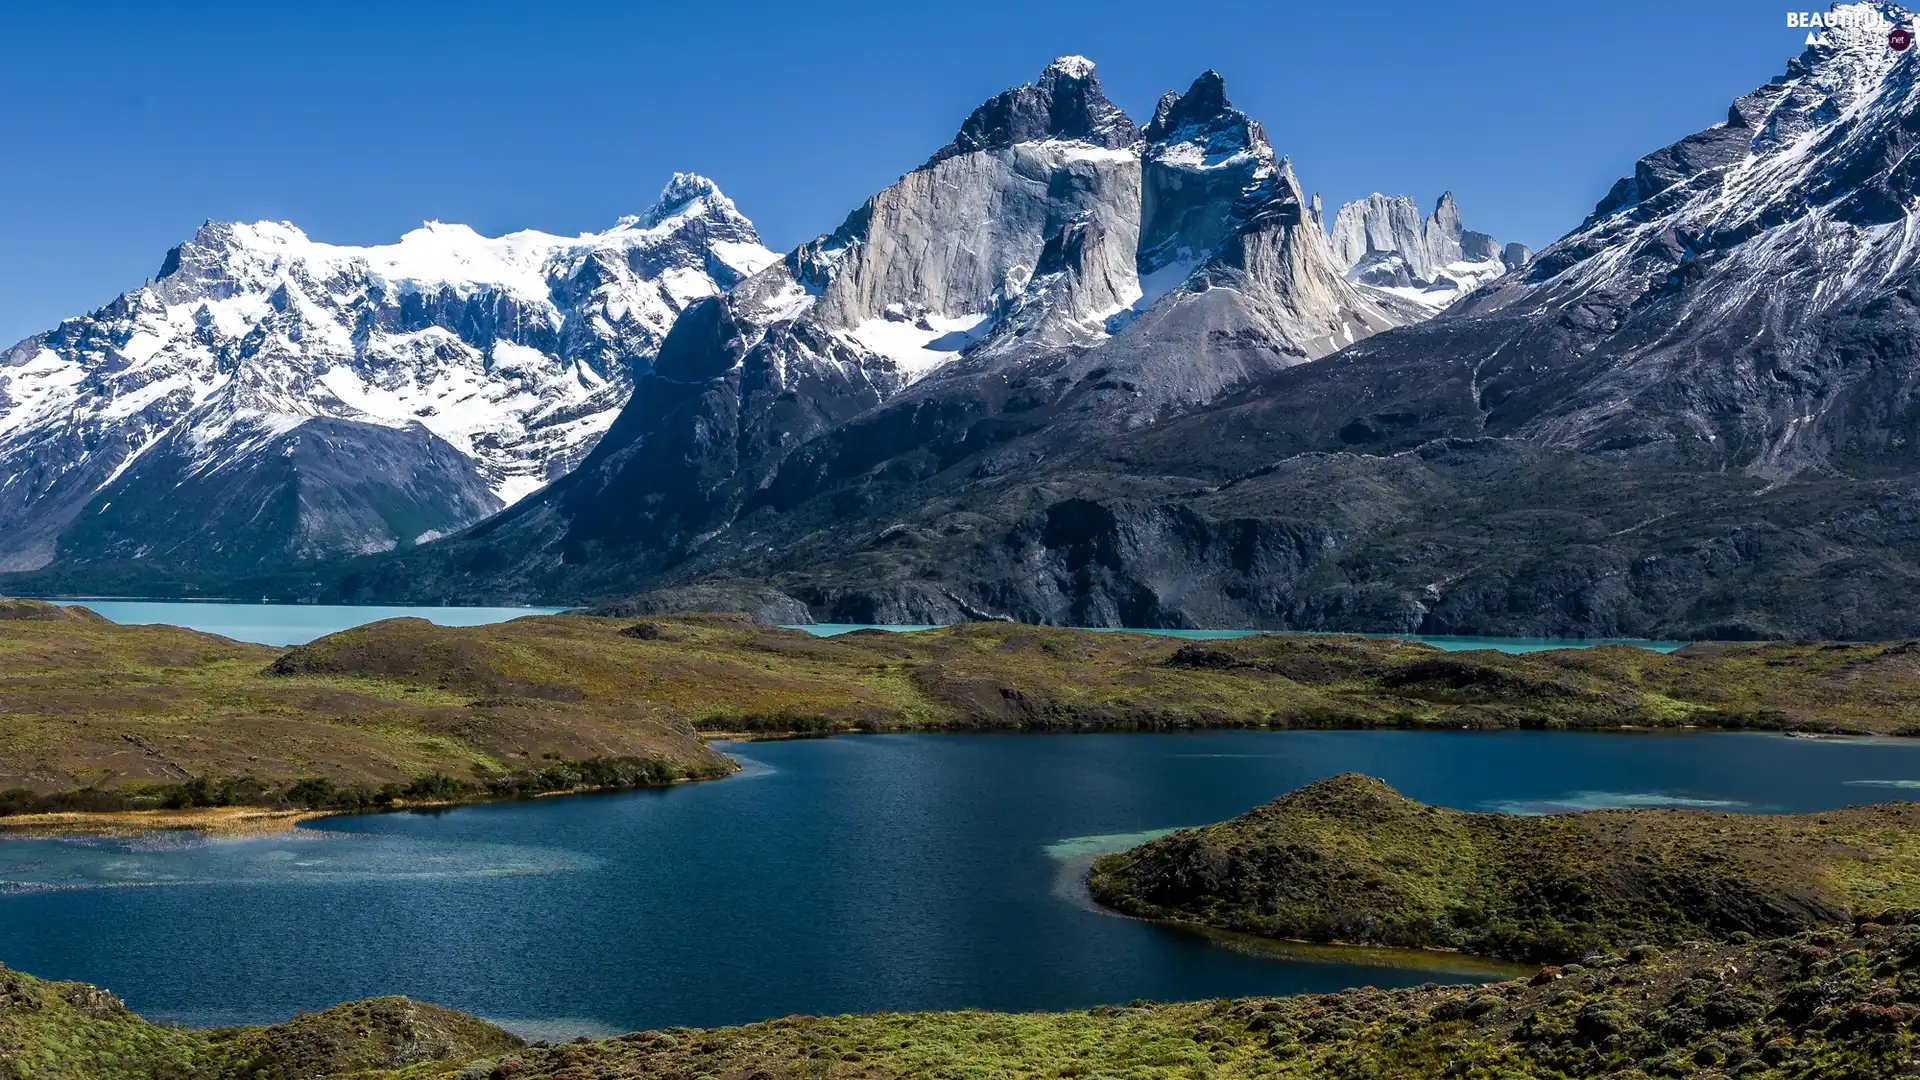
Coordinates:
[1201,154]
[323,487]
[1066,103]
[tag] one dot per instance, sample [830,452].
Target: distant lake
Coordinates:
[297,624]
[1449,642]
[288,624]
[849,874]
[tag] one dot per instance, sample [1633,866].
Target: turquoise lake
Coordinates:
[297,624]
[850,874]
[288,624]
[1449,642]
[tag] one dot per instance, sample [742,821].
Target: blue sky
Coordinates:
[122,127]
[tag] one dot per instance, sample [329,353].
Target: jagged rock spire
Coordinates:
[1204,101]
[1065,103]
[1200,154]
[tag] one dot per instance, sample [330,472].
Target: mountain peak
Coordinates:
[1065,103]
[1383,242]
[1814,141]
[1201,155]
[1204,104]
[1072,67]
[683,193]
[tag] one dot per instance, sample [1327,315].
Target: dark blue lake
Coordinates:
[859,873]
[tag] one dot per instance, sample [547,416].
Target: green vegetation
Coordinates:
[95,716]
[1348,859]
[100,717]
[72,1031]
[1836,1004]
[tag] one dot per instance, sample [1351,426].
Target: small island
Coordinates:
[1349,860]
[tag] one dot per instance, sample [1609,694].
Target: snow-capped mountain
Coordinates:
[1697,415]
[1744,297]
[393,393]
[1384,244]
[1051,274]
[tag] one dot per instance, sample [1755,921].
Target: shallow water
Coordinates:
[850,874]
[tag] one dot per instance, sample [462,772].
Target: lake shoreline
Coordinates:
[235,821]
[142,718]
[204,820]
[266,820]
[1518,1026]
[882,827]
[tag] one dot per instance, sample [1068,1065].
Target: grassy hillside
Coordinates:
[721,672]
[1832,1004]
[99,716]
[1349,859]
[406,709]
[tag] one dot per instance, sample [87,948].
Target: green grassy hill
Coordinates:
[1348,859]
[95,715]
[72,1031]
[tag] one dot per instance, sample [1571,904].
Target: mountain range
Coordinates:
[1053,276]
[1077,370]
[270,401]
[268,398]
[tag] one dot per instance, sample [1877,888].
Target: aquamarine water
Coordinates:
[847,874]
[288,624]
[297,624]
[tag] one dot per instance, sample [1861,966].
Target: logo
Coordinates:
[1899,39]
[1853,17]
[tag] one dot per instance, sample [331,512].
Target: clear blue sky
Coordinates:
[122,127]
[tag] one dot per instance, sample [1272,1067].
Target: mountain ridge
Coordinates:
[1074,370]
[1052,275]
[1598,445]
[481,366]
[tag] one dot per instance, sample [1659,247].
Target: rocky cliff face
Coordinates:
[468,370]
[1384,244]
